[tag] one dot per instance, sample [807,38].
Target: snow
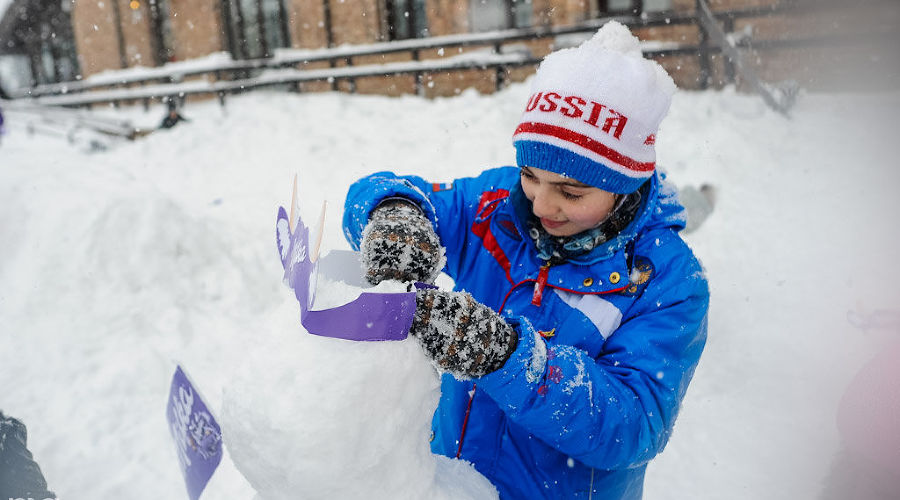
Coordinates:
[211,62]
[116,265]
[338,419]
[332,292]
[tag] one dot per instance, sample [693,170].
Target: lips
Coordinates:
[550,224]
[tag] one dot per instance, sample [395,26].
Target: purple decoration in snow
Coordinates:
[371,316]
[198,438]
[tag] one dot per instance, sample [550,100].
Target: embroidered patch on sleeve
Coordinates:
[441,186]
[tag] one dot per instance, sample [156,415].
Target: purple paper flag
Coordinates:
[198,438]
[371,316]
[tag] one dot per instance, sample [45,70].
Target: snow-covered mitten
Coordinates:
[399,243]
[462,336]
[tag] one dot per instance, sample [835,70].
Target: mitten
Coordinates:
[462,336]
[399,243]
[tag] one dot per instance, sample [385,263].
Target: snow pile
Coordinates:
[315,417]
[354,417]
[332,292]
[116,265]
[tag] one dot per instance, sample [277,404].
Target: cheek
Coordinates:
[583,216]
[529,192]
[587,214]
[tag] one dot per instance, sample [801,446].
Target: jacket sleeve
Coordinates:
[618,409]
[451,207]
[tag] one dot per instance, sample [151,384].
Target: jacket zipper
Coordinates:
[539,285]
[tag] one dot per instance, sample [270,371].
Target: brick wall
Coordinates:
[197,31]
[96,39]
[447,17]
[196,28]
[560,12]
[386,85]
[355,21]
[136,33]
[852,63]
[307,22]
[541,12]
[689,5]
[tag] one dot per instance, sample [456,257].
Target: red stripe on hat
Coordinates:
[585,142]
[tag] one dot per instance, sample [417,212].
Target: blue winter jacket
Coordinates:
[607,343]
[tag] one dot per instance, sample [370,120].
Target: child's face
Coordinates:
[564,205]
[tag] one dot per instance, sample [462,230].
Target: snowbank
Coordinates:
[315,417]
[115,265]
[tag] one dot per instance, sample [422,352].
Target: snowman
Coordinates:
[344,412]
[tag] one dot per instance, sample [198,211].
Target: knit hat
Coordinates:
[594,112]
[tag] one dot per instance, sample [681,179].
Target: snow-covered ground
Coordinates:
[116,265]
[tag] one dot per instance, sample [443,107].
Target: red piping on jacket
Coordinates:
[503,304]
[462,434]
[481,228]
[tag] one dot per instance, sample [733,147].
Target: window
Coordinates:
[632,6]
[620,6]
[48,42]
[15,72]
[161,32]
[488,15]
[405,19]
[255,28]
[657,5]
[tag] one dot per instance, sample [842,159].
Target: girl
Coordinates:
[584,313]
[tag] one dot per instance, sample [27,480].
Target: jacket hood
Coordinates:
[668,213]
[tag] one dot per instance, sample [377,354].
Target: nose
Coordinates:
[542,205]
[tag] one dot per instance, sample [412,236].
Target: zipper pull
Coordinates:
[540,284]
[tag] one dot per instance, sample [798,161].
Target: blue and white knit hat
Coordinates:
[594,112]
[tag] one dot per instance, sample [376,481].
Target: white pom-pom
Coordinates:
[615,37]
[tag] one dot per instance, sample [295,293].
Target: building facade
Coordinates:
[67,40]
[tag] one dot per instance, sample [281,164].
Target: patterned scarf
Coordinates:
[559,249]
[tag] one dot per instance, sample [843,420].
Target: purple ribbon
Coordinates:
[371,316]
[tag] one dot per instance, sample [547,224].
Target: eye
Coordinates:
[526,174]
[571,196]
